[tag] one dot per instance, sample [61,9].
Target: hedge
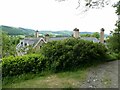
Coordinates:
[72,53]
[22,64]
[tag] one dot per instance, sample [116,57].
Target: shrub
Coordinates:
[22,64]
[72,53]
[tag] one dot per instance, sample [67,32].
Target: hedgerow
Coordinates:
[22,64]
[72,53]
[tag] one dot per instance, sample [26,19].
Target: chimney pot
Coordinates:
[46,34]
[102,35]
[76,29]
[36,33]
[76,33]
[102,29]
[47,37]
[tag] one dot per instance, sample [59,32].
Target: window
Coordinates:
[25,44]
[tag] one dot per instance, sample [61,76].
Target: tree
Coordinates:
[91,3]
[117,8]
[8,44]
[114,41]
[96,34]
[5,44]
[85,35]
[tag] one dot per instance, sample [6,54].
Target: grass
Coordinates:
[107,81]
[70,79]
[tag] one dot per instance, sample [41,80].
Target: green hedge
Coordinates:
[22,64]
[72,53]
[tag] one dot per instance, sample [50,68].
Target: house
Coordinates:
[23,45]
[37,41]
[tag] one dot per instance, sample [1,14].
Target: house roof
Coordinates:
[90,39]
[35,41]
[41,39]
[84,38]
[57,38]
[30,41]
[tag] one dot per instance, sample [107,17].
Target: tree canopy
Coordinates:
[91,3]
[114,41]
[8,44]
[117,6]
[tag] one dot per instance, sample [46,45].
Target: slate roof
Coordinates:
[35,41]
[57,38]
[90,39]
[30,41]
[40,39]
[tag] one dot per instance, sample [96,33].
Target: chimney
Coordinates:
[36,33]
[102,35]
[76,33]
[47,37]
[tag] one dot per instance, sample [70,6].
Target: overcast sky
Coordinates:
[52,15]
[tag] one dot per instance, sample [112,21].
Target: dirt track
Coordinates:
[102,76]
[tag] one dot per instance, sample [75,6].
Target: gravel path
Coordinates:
[102,76]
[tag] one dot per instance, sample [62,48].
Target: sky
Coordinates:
[55,16]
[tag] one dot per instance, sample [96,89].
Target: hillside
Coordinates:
[24,31]
[61,33]
[16,31]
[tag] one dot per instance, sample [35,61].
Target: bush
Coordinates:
[22,64]
[72,53]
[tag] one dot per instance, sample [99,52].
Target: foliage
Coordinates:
[9,44]
[90,4]
[85,35]
[117,6]
[22,64]
[114,43]
[114,40]
[72,53]
[96,34]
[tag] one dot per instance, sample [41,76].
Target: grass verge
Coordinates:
[66,79]
[69,79]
